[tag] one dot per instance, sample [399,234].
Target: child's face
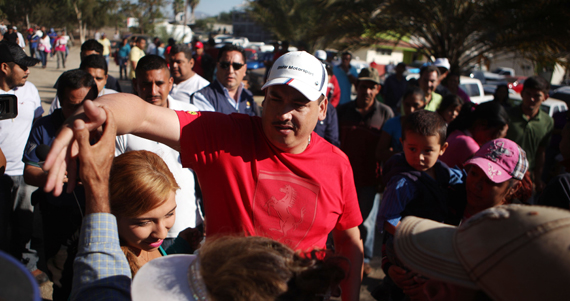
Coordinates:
[421,151]
[413,103]
[450,114]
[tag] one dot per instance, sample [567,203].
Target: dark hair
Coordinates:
[425,123]
[139,39]
[450,101]
[490,114]
[228,48]
[401,65]
[95,61]
[413,90]
[92,44]
[538,83]
[259,268]
[429,69]
[346,53]
[74,79]
[181,48]
[151,62]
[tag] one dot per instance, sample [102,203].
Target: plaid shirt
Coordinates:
[101,270]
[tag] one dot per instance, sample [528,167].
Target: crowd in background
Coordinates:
[403,158]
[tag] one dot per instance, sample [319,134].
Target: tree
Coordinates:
[193,4]
[292,20]
[461,30]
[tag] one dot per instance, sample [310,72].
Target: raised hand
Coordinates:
[63,152]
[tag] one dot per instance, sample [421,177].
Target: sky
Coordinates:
[214,7]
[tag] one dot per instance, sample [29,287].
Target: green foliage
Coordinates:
[296,21]
[461,30]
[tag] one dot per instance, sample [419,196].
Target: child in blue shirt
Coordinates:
[417,183]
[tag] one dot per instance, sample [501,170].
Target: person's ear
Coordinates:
[5,68]
[443,148]
[323,109]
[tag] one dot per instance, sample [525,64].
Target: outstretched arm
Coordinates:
[133,115]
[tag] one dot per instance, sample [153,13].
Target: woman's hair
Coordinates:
[450,101]
[258,268]
[522,189]
[489,114]
[413,90]
[139,182]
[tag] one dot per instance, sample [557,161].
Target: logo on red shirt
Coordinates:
[284,207]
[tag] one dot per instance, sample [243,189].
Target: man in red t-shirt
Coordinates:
[269,176]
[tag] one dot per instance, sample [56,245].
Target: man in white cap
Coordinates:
[269,176]
[443,65]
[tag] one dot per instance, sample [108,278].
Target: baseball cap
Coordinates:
[199,45]
[501,159]
[174,277]
[321,55]
[442,62]
[12,52]
[17,282]
[511,252]
[301,71]
[370,74]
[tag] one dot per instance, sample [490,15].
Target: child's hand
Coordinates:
[402,278]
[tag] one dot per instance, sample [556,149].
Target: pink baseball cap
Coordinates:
[501,159]
[199,45]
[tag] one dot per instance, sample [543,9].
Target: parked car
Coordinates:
[550,106]
[474,89]
[562,93]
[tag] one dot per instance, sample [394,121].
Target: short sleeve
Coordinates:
[399,192]
[550,127]
[351,216]
[34,140]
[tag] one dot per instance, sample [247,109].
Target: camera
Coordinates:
[8,106]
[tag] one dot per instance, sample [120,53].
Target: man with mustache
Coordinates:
[152,84]
[360,123]
[270,176]
[227,94]
[16,210]
[186,81]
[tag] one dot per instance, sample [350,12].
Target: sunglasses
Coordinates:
[226,65]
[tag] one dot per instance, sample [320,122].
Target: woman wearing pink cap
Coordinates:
[495,176]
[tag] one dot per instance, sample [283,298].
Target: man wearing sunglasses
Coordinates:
[227,94]
[16,210]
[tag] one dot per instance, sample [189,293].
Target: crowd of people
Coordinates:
[188,188]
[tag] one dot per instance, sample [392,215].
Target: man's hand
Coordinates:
[96,161]
[64,149]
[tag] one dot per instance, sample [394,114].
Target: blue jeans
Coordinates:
[43,57]
[369,201]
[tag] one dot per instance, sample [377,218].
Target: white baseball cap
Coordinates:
[321,55]
[442,62]
[301,71]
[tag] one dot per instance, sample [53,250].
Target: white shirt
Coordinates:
[56,105]
[187,210]
[21,41]
[185,89]
[14,132]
